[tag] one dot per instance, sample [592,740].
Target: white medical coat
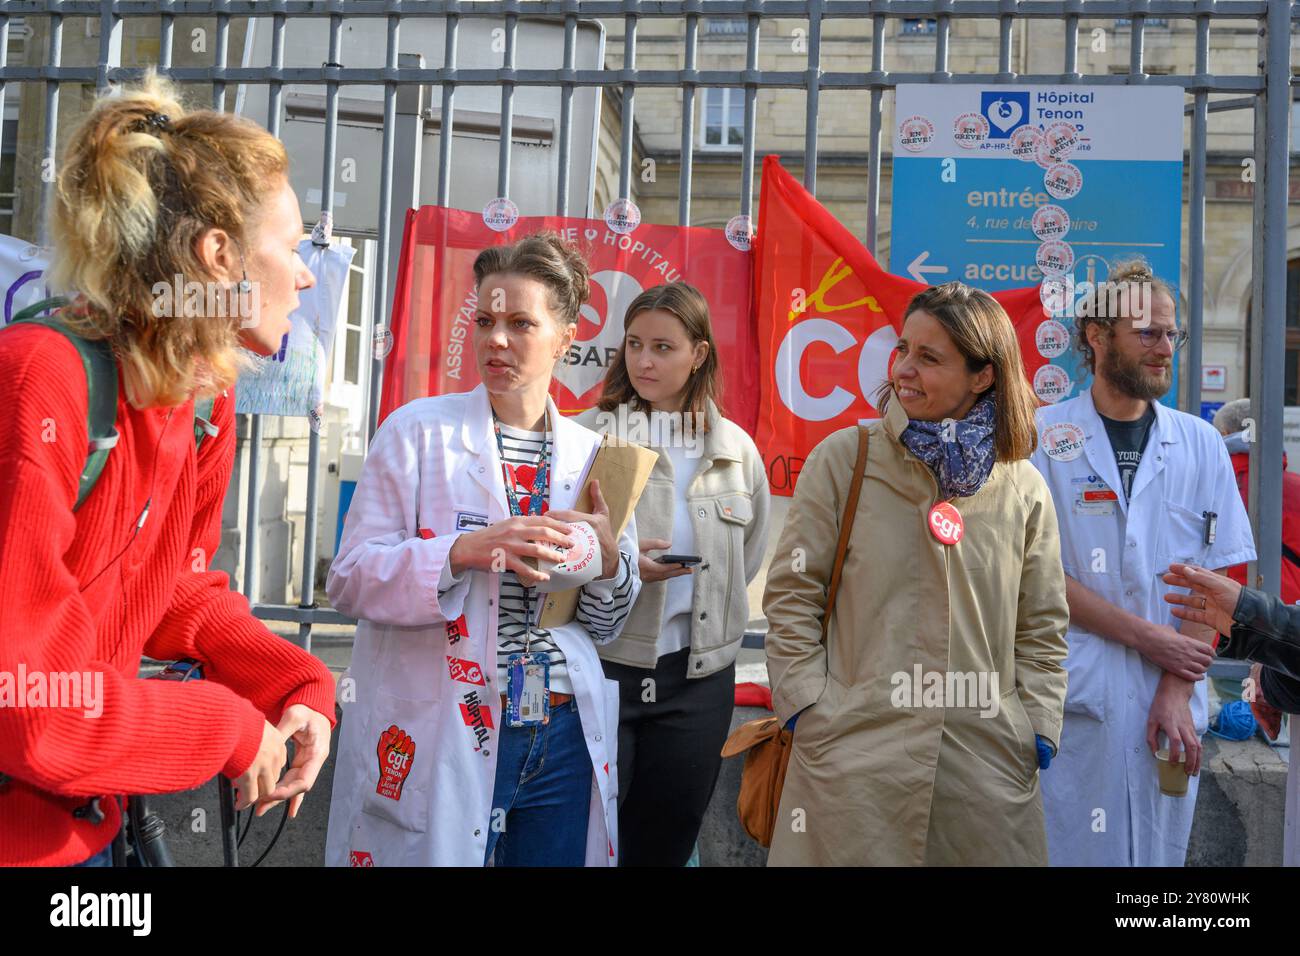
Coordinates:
[1101,796]
[428,666]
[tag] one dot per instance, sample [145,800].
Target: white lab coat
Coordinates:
[434,465]
[1101,796]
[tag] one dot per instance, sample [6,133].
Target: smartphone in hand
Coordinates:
[687,559]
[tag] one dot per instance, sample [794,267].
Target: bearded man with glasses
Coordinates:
[1137,486]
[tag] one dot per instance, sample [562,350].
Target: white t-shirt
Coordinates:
[675,630]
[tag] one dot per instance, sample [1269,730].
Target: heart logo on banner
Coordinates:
[1005,115]
[619,289]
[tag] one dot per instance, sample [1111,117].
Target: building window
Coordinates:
[354,318]
[724,118]
[919,27]
[1291,381]
[350,362]
[726,26]
[20,32]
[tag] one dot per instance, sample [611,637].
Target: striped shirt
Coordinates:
[603,606]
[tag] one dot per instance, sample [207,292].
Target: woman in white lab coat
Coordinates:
[463,505]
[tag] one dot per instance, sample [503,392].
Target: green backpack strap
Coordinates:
[203,426]
[101,389]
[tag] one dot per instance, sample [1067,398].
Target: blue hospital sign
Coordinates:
[1008,186]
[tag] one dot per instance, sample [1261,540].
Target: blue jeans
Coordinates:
[542,795]
[103,858]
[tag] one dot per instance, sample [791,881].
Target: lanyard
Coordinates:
[536,498]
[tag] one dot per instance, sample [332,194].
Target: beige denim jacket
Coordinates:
[730,502]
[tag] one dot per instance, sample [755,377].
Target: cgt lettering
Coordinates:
[872,366]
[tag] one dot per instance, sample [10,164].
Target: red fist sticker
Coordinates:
[396,753]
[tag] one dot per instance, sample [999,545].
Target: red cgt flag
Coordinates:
[828,319]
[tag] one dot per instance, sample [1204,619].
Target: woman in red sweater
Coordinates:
[149,196]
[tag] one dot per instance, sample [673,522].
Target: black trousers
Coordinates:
[670,736]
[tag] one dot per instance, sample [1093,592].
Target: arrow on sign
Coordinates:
[917,267]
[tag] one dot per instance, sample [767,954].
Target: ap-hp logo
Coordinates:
[1005,111]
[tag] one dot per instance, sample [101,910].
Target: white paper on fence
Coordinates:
[22,275]
[292,382]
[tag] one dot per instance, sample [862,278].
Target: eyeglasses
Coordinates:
[1150,337]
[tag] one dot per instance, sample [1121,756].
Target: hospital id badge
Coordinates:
[528,690]
[1093,497]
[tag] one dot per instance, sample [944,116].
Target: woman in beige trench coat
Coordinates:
[917,720]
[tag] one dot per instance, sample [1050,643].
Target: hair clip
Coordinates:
[158,121]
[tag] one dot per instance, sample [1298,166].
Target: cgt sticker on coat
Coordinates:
[396,753]
[474,711]
[467,672]
[360,858]
[456,630]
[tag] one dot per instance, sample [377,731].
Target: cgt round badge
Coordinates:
[1063,180]
[1061,139]
[945,523]
[915,133]
[1054,257]
[1043,154]
[969,130]
[740,232]
[1052,338]
[500,214]
[1052,383]
[1054,293]
[1063,441]
[1024,143]
[622,216]
[1050,222]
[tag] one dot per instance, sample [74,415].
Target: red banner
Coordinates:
[829,317]
[434,304]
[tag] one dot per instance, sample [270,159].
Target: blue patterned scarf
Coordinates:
[962,465]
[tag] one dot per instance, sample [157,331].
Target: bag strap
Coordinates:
[846,527]
[203,420]
[101,391]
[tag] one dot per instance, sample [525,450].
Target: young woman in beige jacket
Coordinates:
[925,717]
[708,499]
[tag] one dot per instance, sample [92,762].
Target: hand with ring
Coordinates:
[1213,597]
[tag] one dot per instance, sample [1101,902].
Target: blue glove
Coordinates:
[1045,752]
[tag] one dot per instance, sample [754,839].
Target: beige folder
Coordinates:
[622,470]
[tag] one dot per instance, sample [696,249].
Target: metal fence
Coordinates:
[1266,90]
